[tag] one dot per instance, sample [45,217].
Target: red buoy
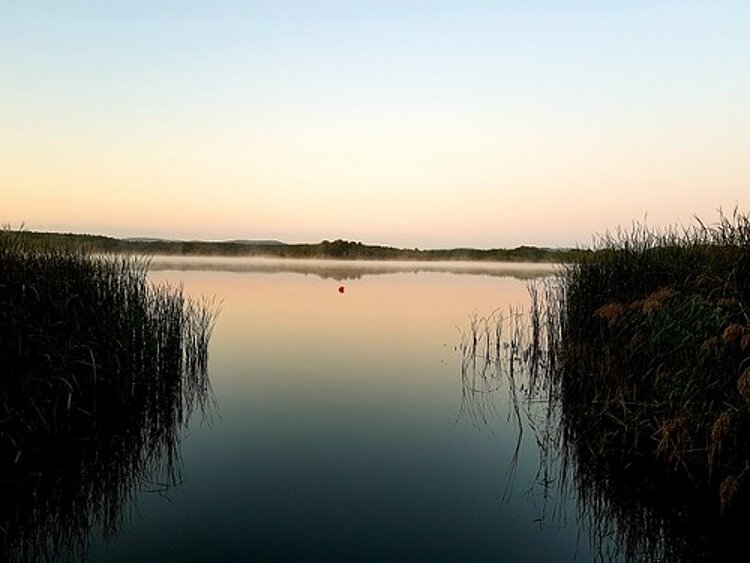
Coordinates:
[341,289]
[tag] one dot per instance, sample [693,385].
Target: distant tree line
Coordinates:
[337,249]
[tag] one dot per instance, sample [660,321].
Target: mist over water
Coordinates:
[349,269]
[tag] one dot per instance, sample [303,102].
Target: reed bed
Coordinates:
[640,352]
[655,343]
[101,370]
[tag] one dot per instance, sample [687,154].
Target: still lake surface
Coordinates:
[338,434]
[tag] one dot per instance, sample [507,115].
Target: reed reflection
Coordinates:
[633,505]
[101,372]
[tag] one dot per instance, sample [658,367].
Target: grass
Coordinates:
[641,350]
[100,372]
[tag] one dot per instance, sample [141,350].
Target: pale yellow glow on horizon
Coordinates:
[378,179]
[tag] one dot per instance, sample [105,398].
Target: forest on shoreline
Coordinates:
[337,249]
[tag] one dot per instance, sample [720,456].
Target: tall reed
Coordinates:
[641,351]
[100,371]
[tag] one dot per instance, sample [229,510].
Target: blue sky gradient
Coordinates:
[409,123]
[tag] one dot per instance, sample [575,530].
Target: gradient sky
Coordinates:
[411,123]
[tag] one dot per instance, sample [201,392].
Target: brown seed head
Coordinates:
[743,385]
[610,312]
[662,294]
[636,305]
[672,431]
[745,342]
[721,427]
[655,300]
[673,425]
[726,302]
[709,344]
[727,490]
[733,333]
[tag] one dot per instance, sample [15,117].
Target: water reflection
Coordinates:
[65,486]
[632,506]
[338,438]
[73,473]
[350,269]
[651,514]
[497,363]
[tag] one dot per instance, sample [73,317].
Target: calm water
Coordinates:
[338,435]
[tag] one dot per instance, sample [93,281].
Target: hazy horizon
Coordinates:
[256,240]
[411,124]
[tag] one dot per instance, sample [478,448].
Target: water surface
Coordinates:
[338,435]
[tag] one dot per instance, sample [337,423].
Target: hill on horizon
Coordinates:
[337,249]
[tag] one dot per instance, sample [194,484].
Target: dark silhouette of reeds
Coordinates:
[100,371]
[640,351]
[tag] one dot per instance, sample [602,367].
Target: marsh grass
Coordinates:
[100,372]
[640,353]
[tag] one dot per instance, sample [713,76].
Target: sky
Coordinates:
[409,123]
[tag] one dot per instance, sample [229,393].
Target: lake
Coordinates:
[339,433]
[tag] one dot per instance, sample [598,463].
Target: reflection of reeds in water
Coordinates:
[100,372]
[509,352]
[639,354]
